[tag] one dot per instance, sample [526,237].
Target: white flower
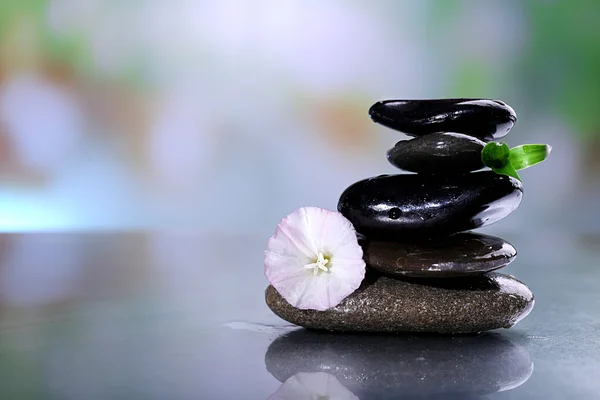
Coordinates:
[314,259]
[311,386]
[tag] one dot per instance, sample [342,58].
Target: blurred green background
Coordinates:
[221,117]
[226,115]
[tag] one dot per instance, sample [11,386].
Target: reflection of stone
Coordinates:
[373,365]
[312,386]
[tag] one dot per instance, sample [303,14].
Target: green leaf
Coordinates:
[526,155]
[508,169]
[495,155]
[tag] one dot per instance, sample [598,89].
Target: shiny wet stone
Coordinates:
[459,255]
[428,205]
[480,118]
[438,153]
[381,366]
[384,304]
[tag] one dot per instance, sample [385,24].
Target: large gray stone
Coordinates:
[459,255]
[391,366]
[385,304]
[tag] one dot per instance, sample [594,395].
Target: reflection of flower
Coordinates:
[313,386]
[314,259]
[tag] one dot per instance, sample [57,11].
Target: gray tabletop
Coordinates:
[182,316]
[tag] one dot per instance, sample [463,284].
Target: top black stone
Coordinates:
[484,119]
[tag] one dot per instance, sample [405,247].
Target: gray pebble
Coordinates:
[383,304]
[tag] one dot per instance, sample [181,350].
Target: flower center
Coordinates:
[319,265]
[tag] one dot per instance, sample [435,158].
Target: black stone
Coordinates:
[383,304]
[438,153]
[459,255]
[394,366]
[429,205]
[481,118]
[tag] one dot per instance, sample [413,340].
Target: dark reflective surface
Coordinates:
[429,205]
[438,153]
[484,119]
[380,366]
[175,315]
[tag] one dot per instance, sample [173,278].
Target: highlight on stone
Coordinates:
[397,256]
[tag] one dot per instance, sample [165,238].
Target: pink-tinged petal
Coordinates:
[330,227]
[348,250]
[316,295]
[339,233]
[312,385]
[304,238]
[345,283]
[282,245]
[279,270]
[296,227]
[295,287]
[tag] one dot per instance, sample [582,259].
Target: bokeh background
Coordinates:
[203,123]
[224,116]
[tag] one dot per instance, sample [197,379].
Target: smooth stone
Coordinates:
[429,205]
[459,255]
[384,304]
[480,118]
[438,153]
[392,366]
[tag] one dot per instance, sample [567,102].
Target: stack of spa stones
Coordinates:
[424,272]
